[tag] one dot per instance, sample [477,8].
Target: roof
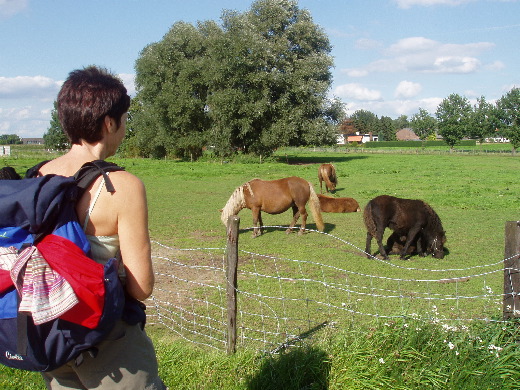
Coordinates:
[406,135]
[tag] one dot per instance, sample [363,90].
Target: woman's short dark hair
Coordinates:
[85,98]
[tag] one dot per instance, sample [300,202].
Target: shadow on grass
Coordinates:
[301,160]
[299,368]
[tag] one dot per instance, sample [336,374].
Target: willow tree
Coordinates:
[255,82]
[172,94]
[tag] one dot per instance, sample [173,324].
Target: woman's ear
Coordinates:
[110,124]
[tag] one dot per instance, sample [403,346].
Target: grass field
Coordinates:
[474,195]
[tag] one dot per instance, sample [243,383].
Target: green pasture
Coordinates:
[474,195]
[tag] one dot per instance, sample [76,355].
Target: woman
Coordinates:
[92,108]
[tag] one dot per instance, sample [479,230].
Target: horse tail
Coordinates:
[369,220]
[314,203]
[235,203]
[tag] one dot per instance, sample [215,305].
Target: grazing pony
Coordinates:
[327,173]
[8,173]
[406,217]
[338,205]
[275,197]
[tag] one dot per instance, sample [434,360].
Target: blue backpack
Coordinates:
[55,301]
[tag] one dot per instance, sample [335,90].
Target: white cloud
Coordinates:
[455,64]
[27,121]
[367,44]
[422,55]
[496,65]
[426,3]
[357,92]
[129,82]
[28,87]
[9,8]
[395,108]
[407,89]
[355,72]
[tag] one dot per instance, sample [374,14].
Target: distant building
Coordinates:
[406,134]
[32,141]
[348,133]
[356,137]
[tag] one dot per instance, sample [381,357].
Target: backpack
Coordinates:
[55,301]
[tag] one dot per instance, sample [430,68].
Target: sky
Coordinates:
[391,57]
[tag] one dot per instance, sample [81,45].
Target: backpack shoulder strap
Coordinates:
[33,172]
[92,170]
[86,174]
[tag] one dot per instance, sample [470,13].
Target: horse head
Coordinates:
[436,245]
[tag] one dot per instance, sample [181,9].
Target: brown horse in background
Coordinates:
[327,173]
[412,218]
[275,197]
[338,205]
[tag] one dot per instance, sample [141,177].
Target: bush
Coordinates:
[415,144]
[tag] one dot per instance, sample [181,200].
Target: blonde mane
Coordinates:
[235,203]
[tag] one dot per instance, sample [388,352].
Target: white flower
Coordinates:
[451,345]
[493,347]
[381,360]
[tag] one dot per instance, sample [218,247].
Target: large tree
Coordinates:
[453,116]
[386,129]
[254,83]
[483,120]
[170,77]
[509,114]
[365,121]
[423,124]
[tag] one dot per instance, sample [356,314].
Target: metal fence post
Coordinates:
[231,281]
[511,305]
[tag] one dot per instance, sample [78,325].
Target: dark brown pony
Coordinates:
[8,173]
[412,218]
[338,205]
[327,173]
[275,197]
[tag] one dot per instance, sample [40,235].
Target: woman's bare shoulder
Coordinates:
[127,183]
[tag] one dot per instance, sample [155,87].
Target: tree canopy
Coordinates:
[509,116]
[423,124]
[10,139]
[453,118]
[255,82]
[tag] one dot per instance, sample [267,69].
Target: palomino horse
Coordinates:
[327,173]
[275,197]
[412,218]
[338,205]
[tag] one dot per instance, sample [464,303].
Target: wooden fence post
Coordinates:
[511,305]
[231,281]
